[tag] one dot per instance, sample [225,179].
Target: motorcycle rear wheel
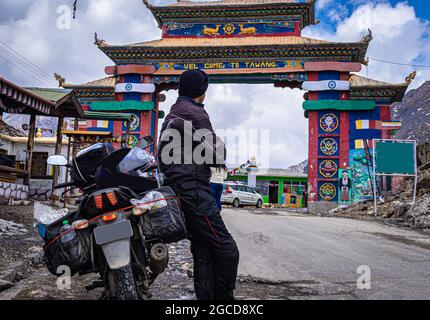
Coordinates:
[122,284]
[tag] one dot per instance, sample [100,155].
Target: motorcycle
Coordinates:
[117,238]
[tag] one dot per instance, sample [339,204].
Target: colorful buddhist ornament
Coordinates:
[134,123]
[328,168]
[377,125]
[327,191]
[329,122]
[329,146]
[360,144]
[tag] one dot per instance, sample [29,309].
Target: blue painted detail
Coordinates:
[132,78]
[328,75]
[134,125]
[229,29]
[136,96]
[331,192]
[326,169]
[355,134]
[329,95]
[328,146]
[332,125]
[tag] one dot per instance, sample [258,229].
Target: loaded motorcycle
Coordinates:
[122,224]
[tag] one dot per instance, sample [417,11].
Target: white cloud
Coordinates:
[399,36]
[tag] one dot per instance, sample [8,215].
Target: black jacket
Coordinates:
[186,117]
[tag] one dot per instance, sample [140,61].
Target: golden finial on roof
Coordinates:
[97,41]
[367,38]
[61,80]
[411,77]
[366,61]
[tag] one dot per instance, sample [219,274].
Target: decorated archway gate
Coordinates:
[257,41]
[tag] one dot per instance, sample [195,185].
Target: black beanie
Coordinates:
[193,83]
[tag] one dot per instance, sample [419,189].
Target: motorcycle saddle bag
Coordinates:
[166,221]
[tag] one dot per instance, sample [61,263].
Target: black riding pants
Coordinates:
[214,250]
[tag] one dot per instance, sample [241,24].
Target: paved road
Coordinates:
[320,256]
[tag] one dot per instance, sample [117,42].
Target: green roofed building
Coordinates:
[278,186]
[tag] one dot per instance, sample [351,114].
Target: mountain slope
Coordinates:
[414,112]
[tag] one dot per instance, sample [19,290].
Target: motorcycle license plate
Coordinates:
[113,232]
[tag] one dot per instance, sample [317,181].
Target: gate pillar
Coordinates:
[327,106]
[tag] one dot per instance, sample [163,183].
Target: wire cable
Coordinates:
[399,63]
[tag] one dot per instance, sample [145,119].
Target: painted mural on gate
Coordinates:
[361,175]
[345,187]
[229,29]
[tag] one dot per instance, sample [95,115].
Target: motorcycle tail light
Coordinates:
[109,217]
[99,201]
[112,198]
[137,211]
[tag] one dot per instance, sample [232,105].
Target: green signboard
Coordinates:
[395,158]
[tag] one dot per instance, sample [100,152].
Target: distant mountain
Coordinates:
[301,167]
[414,112]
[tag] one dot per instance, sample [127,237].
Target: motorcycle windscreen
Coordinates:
[137,158]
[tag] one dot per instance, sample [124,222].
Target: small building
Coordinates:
[278,186]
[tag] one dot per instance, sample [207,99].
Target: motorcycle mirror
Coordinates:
[145,142]
[57,160]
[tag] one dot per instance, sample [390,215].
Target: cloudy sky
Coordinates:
[401,34]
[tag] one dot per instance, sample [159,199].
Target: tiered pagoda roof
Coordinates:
[191,11]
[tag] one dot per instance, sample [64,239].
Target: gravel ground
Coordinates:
[24,276]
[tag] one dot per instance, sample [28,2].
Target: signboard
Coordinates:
[394,158]
[231,65]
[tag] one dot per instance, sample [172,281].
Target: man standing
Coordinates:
[214,250]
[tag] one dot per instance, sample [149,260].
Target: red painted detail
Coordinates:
[117,128]
[86,107]
[385,116]
[333,66]
[164,33]
[212,229]
[297,29]
[313,157]
[130,69]
[120,96]
[328,135]
[145,124]
[344,140]
[344,95]
[313,95]
[312,76]
[344,76]
[327,179]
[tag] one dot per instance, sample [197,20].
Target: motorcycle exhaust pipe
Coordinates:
[158,257]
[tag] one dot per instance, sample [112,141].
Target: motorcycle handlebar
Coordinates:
[65,185]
